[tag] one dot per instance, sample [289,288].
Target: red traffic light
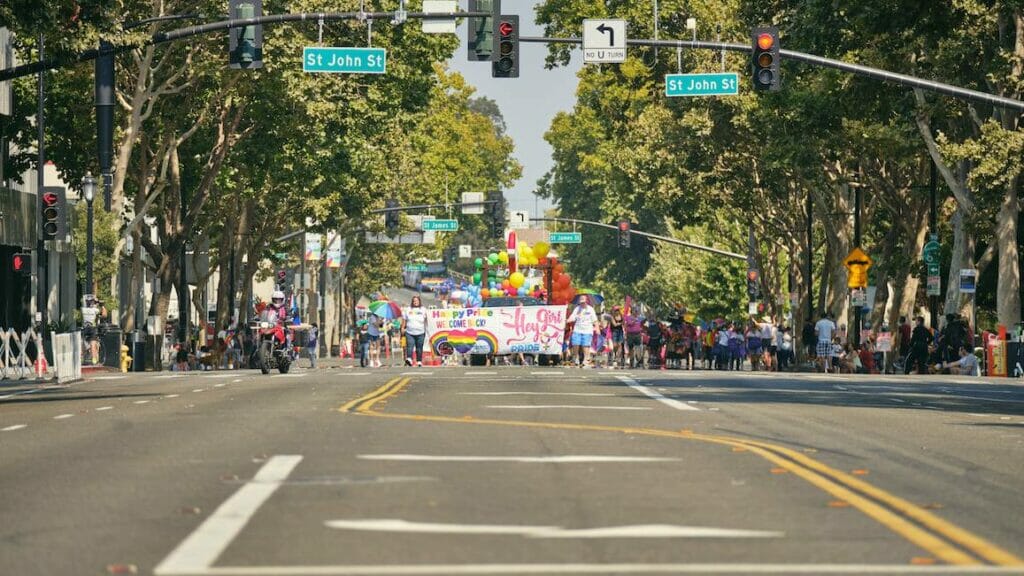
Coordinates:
[752,275]
[50,199]
[624,225]
[506,28]
[765,41]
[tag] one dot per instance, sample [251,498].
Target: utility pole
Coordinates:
[933,233]
[858,310]
[810,258]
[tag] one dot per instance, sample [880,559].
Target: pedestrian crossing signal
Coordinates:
[21,264]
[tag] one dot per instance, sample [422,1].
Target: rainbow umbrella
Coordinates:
[386,309]
[594,296]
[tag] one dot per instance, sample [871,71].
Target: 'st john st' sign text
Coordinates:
[344,60]
[724,84]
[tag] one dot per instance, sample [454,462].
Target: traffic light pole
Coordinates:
[43,279]
[658,237]
[858,310]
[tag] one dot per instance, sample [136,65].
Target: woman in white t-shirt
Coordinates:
[414,323]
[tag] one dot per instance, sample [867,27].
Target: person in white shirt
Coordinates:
[583,331]
[824,330]
[967,365]
[414,323]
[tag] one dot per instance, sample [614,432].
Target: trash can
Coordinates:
[112,348]
[138,352]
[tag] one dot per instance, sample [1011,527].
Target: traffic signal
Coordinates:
[21,264]
[624,231]
[104,93]
[754,285]
[391,217]
[53,208]
[481,31]
[245,44]
[507,64]
[766,58]
[497,213]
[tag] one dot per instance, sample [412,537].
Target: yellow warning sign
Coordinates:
[857,265]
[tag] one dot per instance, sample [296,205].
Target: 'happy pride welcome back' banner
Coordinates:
[504,330]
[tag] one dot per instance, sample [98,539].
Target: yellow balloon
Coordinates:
[503,257]
[516,279]
[528,252]
[541,249]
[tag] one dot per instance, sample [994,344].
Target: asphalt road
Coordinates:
[511,471]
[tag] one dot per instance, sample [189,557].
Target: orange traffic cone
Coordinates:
[41,366]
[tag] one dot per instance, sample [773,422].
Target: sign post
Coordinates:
[857,265]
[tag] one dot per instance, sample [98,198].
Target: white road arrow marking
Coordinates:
[637,531]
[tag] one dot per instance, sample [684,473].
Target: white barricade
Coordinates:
[15,363]
[67,356]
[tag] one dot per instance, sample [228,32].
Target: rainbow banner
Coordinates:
[504,330]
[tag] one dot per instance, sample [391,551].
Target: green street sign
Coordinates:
[440,225]
[344,60]
[719,84]
[565,238]
[932,252]
[415,267]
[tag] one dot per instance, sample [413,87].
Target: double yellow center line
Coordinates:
[946,541]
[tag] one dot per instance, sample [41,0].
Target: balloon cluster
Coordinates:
[501,282]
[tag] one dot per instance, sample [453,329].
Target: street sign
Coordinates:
[415,267]
[859,297]
[439,26]
[344,60]
[857,265]
[931,253]
[723,84]
[465,251]
[470,198]
[440,225]
[565,238]
[968,281]
[604,41]
[519,219]
[934,285]
[410,238]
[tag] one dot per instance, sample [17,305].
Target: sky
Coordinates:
[528,103]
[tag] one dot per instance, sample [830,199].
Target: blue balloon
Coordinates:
[521,291]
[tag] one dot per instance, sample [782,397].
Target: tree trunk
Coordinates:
[1008,289]
[962,256]
[225,262]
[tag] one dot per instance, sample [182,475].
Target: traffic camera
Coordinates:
[507,63]
[245,44]
[766,58]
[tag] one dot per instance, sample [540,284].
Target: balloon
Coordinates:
[517,279]
[479,263]
[492,258]
[528,252]
[541,249]
[522,292]
[476,277]
[485,293]
[503,257]
[563,281]
[505,284]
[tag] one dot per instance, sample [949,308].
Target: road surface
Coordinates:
[511,471]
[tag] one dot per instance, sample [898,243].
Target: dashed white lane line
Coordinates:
[296,375]
[546,373]
[568,407]
[635,531]
[110,378]
[655,394]
[141,402]
[102,408]
[236,380]
[524,393]
[14,427]
[199,390]
[63,416]
[417,373]
[23,392]
[220,385]
[172,395]
[481,373]
[197,553]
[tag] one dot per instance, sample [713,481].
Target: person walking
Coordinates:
[825,330]
[373,332]
[634,328]
[313,344]
[414,323]
[920,339]
[585,319]
[617,324]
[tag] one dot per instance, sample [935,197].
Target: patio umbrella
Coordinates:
[386,309]
[594,296]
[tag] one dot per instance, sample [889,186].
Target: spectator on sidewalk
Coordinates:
[313,344]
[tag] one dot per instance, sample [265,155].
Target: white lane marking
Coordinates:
[204,545]
[14,427]
[354,373]
[639,531]
[172,395]
[490,569]
[110,378]
[102,408]
[220,385]
[655,394]
[236,380]
[198,390]
[481,374]
[62,416]
[415,374]
[567,407]
[218,375]
[545,373]
[141,402]
[296,375]
[168,376]
[534,394]
[898,400]
[23,392]
[571,459]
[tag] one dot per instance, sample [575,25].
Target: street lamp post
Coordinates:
[89,191]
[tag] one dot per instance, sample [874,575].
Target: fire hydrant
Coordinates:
[126,360]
